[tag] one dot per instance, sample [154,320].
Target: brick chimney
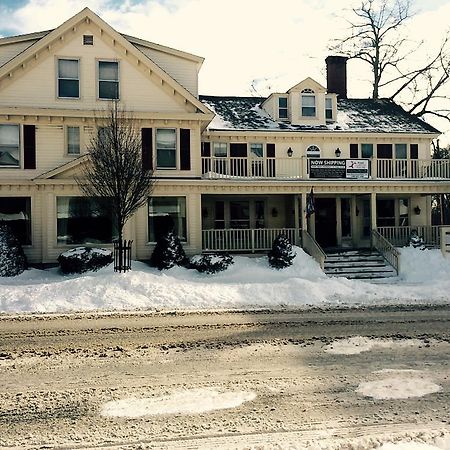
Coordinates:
[337,75]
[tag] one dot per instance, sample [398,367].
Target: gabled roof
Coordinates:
[310,82]
[63,168]
[86,15]
[354,115]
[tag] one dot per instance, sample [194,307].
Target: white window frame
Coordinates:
[19,147]
[99,80]
[62,58]
[283,108]
[329,100]
[67,140]
[176,149]
[221,144]
[308,93]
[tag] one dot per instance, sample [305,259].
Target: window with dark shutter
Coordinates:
[354,151]
[147,148]
[384,151]
[206,149]
[270,169]
[185,149]
[29,147]
[414,151]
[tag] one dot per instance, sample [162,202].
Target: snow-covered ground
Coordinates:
[248,283]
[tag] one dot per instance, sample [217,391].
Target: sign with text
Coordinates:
[354,169]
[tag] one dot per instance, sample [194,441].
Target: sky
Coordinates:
[251,47]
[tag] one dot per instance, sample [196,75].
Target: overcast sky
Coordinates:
[269,44]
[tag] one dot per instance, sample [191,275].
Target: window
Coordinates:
[313,151]
[385,212]
[16,213]
[73,140]
[9,146]
[220,149]
[84,220]
[400,151]
[88,39]
[328,108]
[165,214]
[108,80]
[239,214]
[166,145]
[257,164]
[366,150]
[282,108]
[68,78]
[308,103]
[403,211]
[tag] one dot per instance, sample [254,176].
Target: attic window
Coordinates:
[308,103]
[88,39]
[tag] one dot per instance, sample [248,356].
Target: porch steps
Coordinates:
[358,264]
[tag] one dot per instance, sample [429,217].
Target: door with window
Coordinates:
[325,222]
[257,160]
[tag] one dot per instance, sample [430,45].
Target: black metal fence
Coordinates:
[122,255]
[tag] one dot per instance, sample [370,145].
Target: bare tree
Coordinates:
[115,169]
[377,37]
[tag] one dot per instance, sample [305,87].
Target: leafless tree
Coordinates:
[377,37]
[114,169]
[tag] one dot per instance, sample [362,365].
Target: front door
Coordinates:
[325,222]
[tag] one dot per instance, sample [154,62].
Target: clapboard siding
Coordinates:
[9,51]
[180,69]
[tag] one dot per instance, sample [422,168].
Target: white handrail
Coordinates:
[386,249]
[311,246]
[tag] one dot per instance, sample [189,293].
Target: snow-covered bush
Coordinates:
[168,252]
[416,241]
[282,254]
[211,263]
[12,258]
[84,259]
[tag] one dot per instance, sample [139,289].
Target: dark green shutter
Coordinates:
[414,151]
[29,147]
[185,149]
[147,148]
[354,151]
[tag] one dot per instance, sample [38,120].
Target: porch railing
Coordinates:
[228,168]
[296,168]
[399,236]
[248,239]
[311,246]
[387,250]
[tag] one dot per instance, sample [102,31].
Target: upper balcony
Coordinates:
[274,168]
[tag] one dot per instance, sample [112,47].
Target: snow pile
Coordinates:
[248,283]
[359,344]
[407,445]
[400,384]
[423,265]
[191,401]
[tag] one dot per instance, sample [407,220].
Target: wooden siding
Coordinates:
[138,90]
[180,69]
[9,51]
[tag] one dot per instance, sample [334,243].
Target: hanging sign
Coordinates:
[354,169]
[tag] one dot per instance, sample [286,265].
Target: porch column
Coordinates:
[303,212]
[373,211]
[194,219]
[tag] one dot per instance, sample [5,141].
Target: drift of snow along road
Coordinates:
[248,283]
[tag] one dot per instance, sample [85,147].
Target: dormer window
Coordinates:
[328,108]
[282,108]
[308,103]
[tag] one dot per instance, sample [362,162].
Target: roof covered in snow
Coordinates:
[354,115]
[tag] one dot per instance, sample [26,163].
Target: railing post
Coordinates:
[252,238]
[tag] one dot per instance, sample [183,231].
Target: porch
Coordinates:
[292,168]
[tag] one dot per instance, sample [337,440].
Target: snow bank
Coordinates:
[248,283]
[359,344]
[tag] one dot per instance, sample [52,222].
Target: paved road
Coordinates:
[57,373]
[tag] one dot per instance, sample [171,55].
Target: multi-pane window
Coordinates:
[73,140]
[9,145]
[328,108]
[68,78]
[166,214]
[16,213]
[282,107]
[108,80]
[220,149]
[308,103]
[400,151]
[166,145]
[84,220]
[366,150]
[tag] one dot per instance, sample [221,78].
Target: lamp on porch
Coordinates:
[417,210]
[337,152]
[290,152]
